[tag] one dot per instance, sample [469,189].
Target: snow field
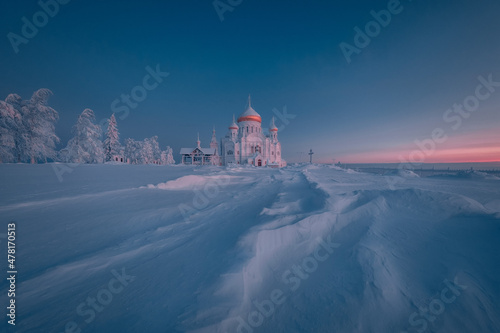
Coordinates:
[305,248]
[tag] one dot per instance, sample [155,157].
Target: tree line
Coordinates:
[27,135]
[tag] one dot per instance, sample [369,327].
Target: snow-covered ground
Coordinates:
[308,248]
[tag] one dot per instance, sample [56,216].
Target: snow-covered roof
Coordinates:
[273,127]
[186,150]
[233,124]
[206,151]
[250,114]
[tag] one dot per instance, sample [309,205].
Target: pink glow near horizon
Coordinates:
[481,146]
[444,156]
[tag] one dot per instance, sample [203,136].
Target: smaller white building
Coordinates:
[200,155]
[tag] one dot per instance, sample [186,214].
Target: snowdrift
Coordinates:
[402,173]
[305,248]
[469,174]
[191,182]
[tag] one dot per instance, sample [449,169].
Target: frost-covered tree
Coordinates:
[133,151]
[167,156]
[86,145]
[10,127]
[35,138]
[39,138]
[143,152]
[147,154]
[170,155]
[155,146]
[112,142]
[163,157]
[15,101]
[21,136]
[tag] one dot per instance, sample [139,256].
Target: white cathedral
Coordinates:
[243,144]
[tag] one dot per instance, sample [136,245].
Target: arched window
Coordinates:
[230,152]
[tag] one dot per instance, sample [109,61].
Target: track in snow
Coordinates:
[391,249]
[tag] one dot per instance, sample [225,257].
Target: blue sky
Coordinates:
[285,54]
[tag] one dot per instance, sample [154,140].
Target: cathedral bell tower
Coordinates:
[273,131]
[213,143]
[233,130]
